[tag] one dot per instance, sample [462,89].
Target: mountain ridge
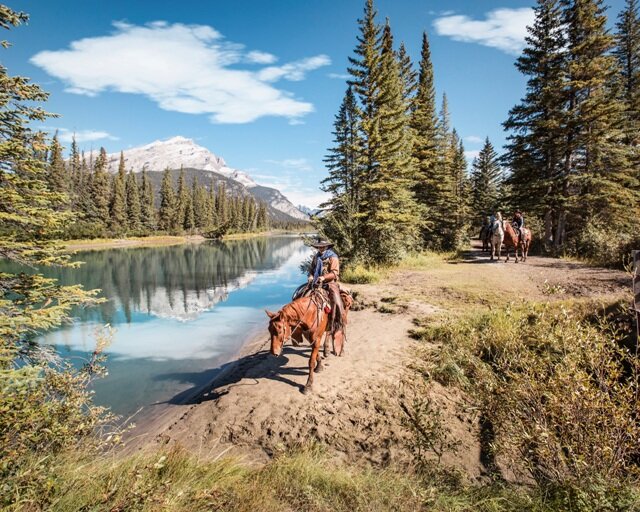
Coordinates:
[180,152]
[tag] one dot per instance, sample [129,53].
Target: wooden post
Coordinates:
[636,291]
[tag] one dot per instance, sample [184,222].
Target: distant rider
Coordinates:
[518,223]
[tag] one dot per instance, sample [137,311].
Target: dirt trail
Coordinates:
[256,407]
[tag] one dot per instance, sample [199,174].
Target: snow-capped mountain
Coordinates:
[178,152]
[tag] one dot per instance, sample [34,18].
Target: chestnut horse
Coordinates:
[304,316]
[511,241]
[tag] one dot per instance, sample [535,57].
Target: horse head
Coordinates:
[280,331]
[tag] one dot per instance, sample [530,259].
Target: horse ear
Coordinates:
[270,314]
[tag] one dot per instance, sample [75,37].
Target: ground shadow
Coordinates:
[261,365]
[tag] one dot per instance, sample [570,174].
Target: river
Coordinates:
[179,313]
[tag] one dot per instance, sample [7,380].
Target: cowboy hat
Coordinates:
[322,243]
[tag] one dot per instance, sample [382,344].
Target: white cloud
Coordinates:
[257,57]
[66,136]
[299,164]
[183,68]
[294,71]
[504,28]
[340,76]
[473,139]
[471,154]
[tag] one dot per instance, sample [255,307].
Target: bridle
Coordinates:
[319,307]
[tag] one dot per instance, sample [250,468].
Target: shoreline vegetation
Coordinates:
[162,240]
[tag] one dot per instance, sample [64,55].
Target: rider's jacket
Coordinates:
[329,264]
[519,221]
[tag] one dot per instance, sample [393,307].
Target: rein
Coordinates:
[312,300]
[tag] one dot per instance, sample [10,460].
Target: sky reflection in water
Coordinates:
[179,312]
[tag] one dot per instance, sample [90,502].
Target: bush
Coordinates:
[602,245]
[557,384]
[359,274]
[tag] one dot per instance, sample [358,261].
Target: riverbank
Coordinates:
[395,424]
[255,410]
[96,244]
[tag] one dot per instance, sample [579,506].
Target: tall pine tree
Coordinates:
[486,176]
[118,206]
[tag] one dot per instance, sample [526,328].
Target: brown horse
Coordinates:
[511,240]
[304,316]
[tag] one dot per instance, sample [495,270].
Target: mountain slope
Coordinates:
[210,169]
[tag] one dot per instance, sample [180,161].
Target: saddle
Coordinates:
[337,318]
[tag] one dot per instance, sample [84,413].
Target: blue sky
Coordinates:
[257,82]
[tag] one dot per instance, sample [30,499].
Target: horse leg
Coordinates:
[338,343]
[312,364]
[325,345]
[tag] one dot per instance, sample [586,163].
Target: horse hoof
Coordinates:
[306,390]
[319,369]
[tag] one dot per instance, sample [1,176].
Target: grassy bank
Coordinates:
[146,241]
[306,479]
[157,240]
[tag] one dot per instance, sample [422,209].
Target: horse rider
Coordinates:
[325,272]
[518,223]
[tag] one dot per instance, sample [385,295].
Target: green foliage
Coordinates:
[572,152]
[558,384]
[358,274]
[44,404]
[134,208]
[118,206]
[486,177]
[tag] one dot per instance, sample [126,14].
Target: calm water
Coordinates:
[179,312]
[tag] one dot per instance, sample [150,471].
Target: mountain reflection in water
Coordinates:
[179,312]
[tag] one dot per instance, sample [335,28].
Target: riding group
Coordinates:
[514,235]
[319,308]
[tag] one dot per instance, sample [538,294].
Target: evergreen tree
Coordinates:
[390,212]
[76,186]
[57,171]
[463,192]
[262,219]
[167,213]
[627,51]
[221,205]
[118,206]
[408,76]
[365,69]
[423,121]
[38,398]
[601,181]
[182,202]
[148,207]
[344,162]
[189,213]
[100,190]
[537,144]
[212,211]
[486,176]
[200,207]
[84,187]
[134,208]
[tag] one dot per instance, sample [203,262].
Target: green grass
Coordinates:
[358,274]
[306,480]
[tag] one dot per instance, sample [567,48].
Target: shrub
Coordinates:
[602,245]
[359,274]
[558,385]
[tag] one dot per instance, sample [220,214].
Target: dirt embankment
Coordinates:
[255,408]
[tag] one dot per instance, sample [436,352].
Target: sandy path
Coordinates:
[255,408]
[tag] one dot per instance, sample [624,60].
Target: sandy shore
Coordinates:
[254,407]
